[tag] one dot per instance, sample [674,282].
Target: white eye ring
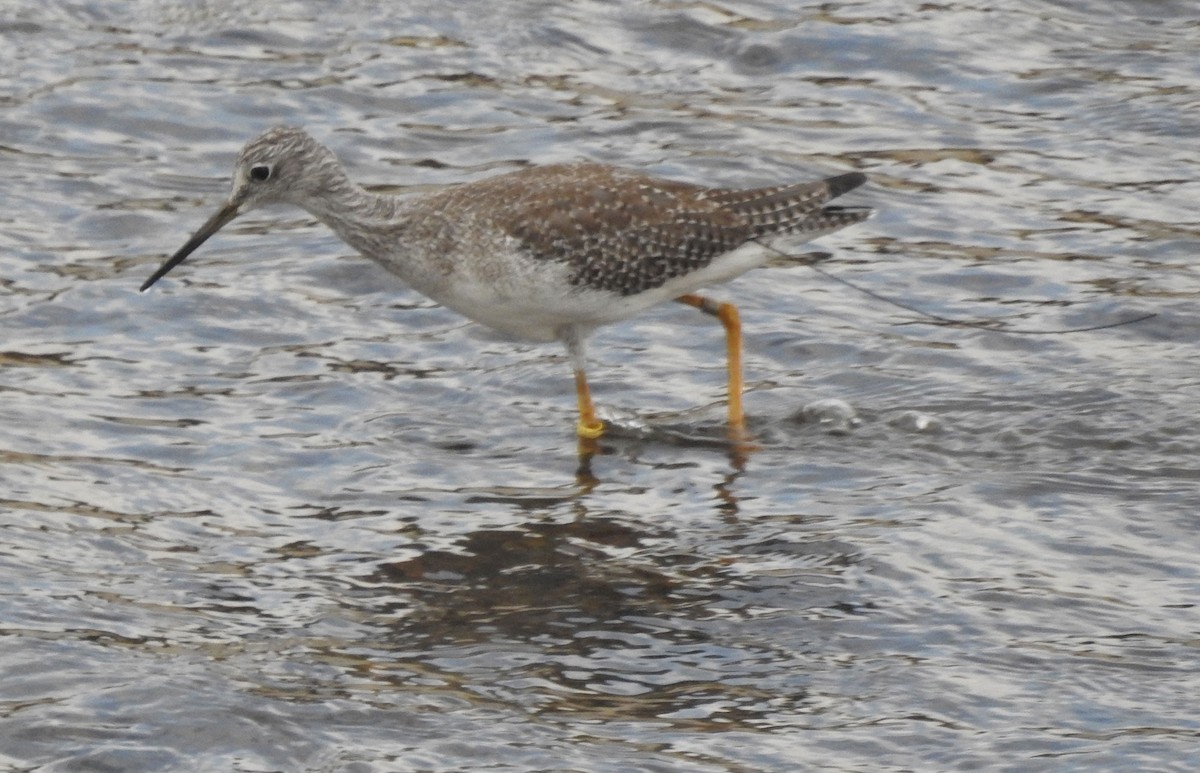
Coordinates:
[260,173]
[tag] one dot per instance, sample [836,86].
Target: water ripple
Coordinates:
[283,514]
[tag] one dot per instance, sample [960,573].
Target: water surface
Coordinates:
[281,513]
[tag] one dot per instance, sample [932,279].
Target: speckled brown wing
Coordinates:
[626,233]
[798,208]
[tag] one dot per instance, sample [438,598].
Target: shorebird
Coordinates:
[546,253]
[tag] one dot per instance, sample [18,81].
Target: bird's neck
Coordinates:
[364,220]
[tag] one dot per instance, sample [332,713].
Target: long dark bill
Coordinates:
[214,223]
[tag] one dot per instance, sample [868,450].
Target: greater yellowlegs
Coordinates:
[546,253]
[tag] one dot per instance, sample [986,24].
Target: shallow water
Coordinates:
[283,514]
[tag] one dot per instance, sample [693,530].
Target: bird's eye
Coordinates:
[260,173]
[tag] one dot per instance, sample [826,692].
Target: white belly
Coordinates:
[537,302]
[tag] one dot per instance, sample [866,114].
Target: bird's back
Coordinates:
[624,232]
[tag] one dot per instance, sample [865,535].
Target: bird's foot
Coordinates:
[589,429]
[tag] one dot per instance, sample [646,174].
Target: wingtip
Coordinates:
[844,183]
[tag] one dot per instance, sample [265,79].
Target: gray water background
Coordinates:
[281,513]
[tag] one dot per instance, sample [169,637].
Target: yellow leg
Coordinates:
[589,427]
[728,314]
